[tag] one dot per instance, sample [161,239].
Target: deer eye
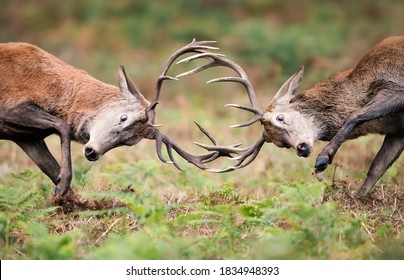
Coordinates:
[280,118]
[124,118]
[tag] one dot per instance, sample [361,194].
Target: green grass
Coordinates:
[159,213]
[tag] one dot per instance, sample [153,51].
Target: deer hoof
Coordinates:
[362,192]
[321,164]
[58,191]
[61,191]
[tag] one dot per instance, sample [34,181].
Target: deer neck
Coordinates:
[328,104]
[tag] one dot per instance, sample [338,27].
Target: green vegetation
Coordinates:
[135,207]
[195,219]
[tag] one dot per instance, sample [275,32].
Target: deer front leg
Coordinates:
[29,119]
[391,149]
[41,156]
[389,99]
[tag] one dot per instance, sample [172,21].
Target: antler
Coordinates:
[249,153]
[194,46]
[246,155]
[153,133]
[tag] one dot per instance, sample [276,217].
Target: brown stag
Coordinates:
[368,98]
[40,95]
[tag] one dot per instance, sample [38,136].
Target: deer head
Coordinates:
[119,122]
[131,119]
[285,126]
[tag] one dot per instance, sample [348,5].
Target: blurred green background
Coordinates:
[271,208]
[272,37]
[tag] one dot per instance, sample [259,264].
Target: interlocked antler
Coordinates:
[153,133]
[246,155]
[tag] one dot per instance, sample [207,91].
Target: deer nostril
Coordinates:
[88,151]
[91,154]
[303,150]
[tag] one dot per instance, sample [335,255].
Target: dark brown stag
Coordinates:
[368,98]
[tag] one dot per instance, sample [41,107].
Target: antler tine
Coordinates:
[249,154]
[197,160]
[194,46]
[219,60]
[198,69]
[245,156]
[163,140]
[215,151]
[223,151]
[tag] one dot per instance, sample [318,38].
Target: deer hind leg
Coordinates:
[37,123]
[388,99]
[41,156]
[390,151]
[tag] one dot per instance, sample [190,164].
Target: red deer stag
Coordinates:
[368,98]
[40,95]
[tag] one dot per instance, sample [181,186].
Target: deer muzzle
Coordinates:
[303,149]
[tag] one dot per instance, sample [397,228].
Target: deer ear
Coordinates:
[128,88]
[288,89]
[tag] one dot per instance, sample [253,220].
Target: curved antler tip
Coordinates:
[236,158]
[156,125]
[235,126]
[199,144]
[223,79]
[162,78]
[228,169]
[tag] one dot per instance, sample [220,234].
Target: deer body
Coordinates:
[368,98]
[40,95]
